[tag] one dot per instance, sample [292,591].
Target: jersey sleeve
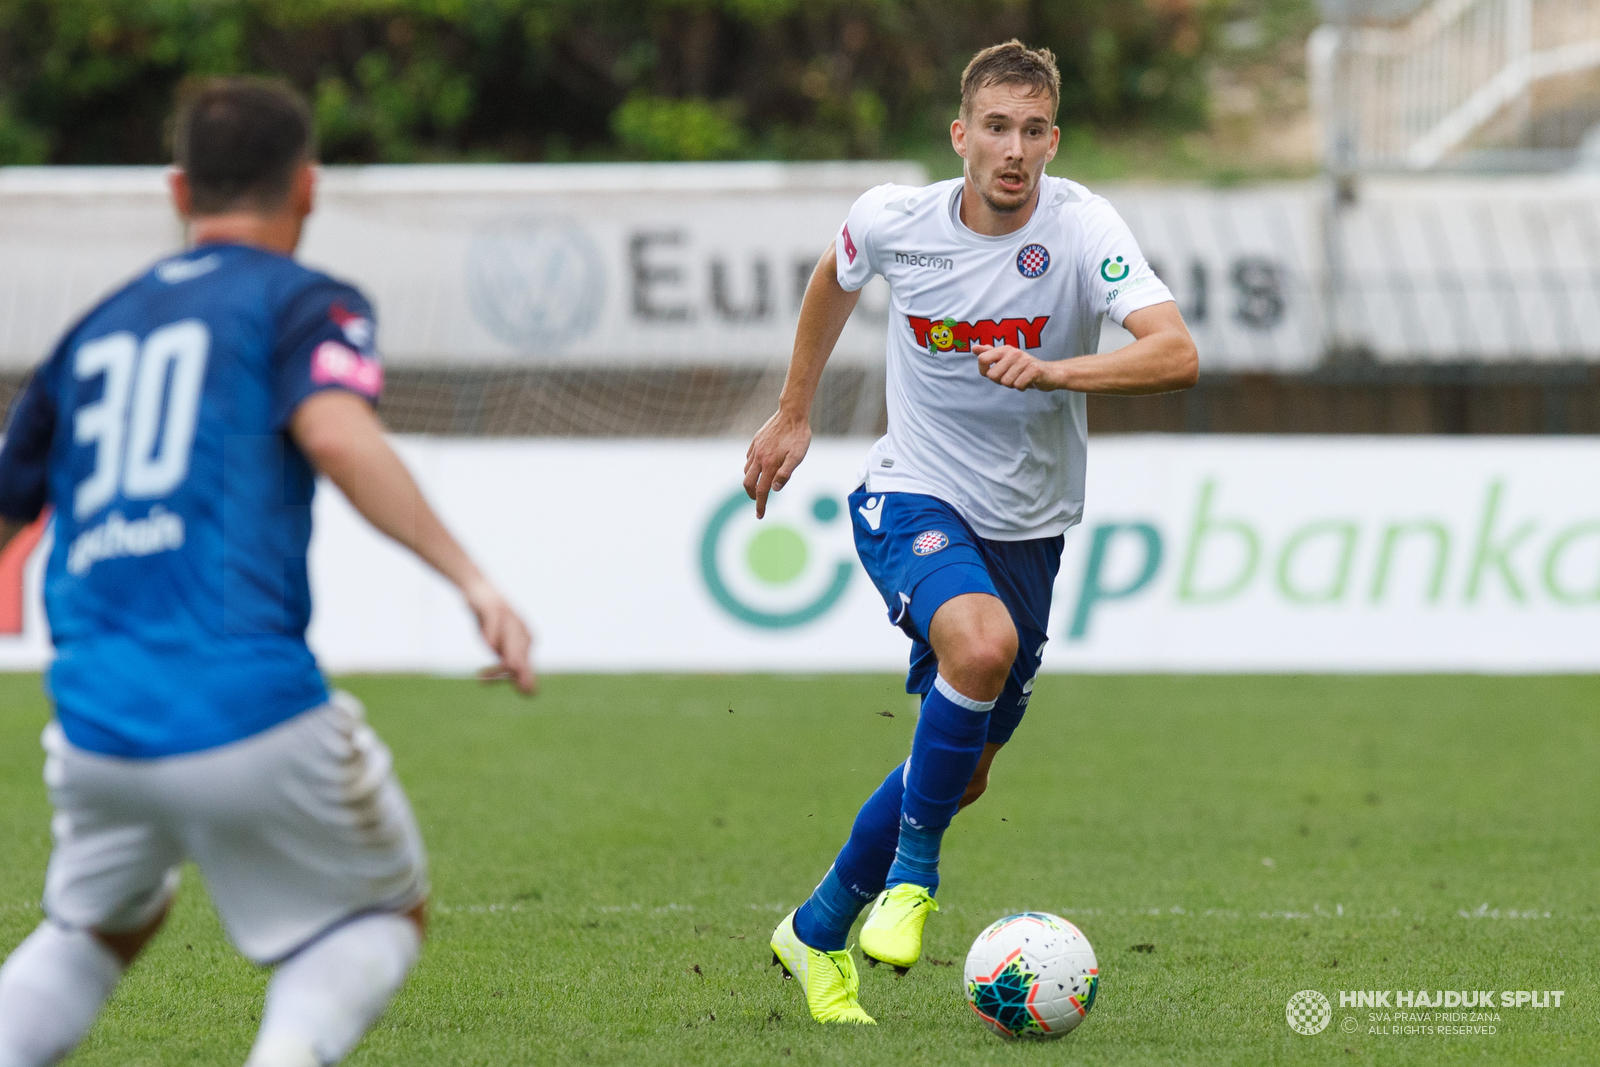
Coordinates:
[853,248]
[25,456]
[327,339]
[1117,279]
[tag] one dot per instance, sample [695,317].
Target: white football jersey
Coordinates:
[1011,463]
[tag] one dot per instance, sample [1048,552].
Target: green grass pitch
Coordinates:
[609,860]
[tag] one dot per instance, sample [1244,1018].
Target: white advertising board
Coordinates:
[1246,267]
[650,265]
[492,265]
[1468,270]
[1197,554]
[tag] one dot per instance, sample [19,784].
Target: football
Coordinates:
[1031,975]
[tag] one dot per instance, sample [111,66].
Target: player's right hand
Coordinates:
[507,637]
[774,453]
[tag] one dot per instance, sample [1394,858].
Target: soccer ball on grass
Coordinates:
[1031,975]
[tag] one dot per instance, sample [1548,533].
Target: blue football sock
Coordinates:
[944,754]
[824,920]
[916,859]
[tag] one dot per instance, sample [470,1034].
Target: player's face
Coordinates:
[1006,140]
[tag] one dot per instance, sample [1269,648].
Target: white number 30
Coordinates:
[135,446]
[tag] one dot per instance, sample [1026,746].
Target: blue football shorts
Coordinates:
[920,552]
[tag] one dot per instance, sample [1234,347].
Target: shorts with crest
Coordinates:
[920,553]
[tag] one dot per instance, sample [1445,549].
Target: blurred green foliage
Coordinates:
[660,128]
[92,81]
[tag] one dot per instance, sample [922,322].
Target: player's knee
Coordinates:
[985,657]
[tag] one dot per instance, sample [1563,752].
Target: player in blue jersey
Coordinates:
[175,434]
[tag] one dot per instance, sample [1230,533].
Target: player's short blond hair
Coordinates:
[1012,63]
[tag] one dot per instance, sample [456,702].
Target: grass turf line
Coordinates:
[609,861]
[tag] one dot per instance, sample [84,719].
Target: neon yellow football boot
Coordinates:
[828,978]
[892,934]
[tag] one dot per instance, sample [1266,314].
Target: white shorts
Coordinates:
[295,830]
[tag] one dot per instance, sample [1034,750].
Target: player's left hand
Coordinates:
[507,637]
[1012,367]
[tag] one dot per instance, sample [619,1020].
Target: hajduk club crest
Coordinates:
[1033,261]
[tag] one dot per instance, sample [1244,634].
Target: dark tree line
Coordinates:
[92,81]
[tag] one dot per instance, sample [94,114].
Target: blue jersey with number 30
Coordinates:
[176,588]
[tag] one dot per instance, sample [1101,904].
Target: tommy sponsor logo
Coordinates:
[849,245]
[943,335]
[335,364]
[922,259]
[929,542]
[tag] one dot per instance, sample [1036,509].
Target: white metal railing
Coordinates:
[1406,97]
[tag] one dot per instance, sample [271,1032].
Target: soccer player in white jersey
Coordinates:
[998,284]
[176,432]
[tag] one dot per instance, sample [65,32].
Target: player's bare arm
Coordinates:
[1162,359]
[341,435]
[780,445]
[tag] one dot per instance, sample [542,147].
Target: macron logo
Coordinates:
[174,271]
[872,511]
[849,245]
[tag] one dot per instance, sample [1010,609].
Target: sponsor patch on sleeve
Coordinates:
[849,245]
[333,363]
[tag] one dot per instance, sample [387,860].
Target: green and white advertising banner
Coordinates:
[625,556]
[1195,554]
[1334,554]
